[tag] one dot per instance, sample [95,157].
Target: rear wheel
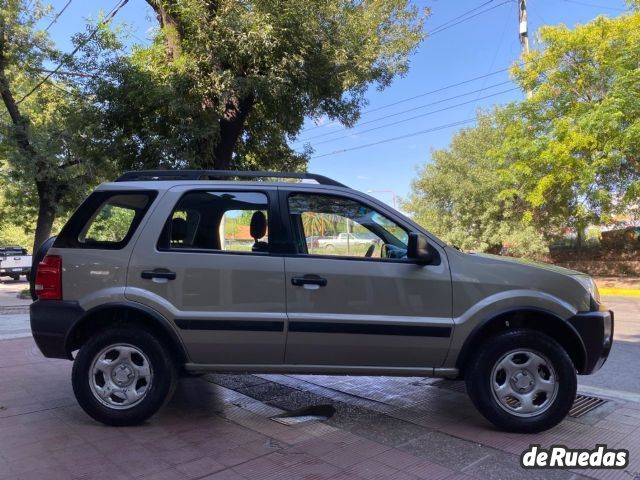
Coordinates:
[15,277]
[522,381]
[122,376]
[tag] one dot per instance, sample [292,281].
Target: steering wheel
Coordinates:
[370,250]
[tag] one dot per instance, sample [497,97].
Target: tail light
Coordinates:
[48,284]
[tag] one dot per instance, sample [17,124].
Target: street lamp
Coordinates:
[393,196]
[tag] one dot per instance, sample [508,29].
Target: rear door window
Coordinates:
[224,221]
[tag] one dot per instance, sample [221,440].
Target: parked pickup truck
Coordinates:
[14,261]
[344,239]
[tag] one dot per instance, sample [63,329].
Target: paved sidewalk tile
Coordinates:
[219,427]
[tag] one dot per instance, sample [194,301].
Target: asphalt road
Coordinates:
[620,373]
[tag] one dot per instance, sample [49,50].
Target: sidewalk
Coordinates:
[220,427]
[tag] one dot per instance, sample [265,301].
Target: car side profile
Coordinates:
[148,278]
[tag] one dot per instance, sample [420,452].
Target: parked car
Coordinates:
[138,285]
[14,262]
[344,239]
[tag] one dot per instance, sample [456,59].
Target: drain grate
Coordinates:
[584,404]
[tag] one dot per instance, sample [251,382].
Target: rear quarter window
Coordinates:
[106,220]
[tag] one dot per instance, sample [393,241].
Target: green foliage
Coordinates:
[573,146]
[462,197]
[111,224]
[225,84]
[565,158]
[47,131]
[277,62]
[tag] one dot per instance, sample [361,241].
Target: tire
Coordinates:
[500,379]
[136,363]
[15,277]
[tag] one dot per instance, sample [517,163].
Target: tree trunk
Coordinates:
[46,191]
[579,236]
[231,127]
[172,30]
[46,212]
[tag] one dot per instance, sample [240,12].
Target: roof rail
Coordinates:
[142,175]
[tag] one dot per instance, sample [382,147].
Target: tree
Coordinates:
[44,137]
[573,146]
[459,194]
[563,159]
[228,83]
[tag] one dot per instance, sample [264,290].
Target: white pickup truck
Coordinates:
[14,261]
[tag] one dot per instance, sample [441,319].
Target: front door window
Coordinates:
[338,226]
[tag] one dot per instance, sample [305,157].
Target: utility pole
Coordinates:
[524,30]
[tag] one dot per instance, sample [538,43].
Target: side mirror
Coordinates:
[418,248]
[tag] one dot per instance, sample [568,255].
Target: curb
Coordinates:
[609,394]
[620,291]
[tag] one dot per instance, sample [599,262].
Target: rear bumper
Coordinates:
[51,321]
[596,331]
[14,270]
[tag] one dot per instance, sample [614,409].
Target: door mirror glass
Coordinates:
[418,248]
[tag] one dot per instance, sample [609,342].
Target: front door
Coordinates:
[210,268]
[353,298]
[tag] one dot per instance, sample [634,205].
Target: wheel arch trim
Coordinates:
[503,315]
[128,306]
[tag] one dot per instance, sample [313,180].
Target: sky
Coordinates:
[475,48]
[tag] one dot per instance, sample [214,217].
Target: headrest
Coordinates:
[258,228]
[178,230]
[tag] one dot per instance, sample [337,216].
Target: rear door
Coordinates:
[207,261]
[361,304]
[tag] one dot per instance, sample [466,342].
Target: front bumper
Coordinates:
[51,321]
[596,331]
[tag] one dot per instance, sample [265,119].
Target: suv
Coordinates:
[143,281]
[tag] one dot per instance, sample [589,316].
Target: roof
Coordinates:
[208,175]
[163,185]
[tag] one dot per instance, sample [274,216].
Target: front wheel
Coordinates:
[122,376]
[522,381]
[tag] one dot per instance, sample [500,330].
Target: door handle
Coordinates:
[309,281]
[159,273]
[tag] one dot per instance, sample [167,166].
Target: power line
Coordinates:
[462,15]
[106,20]
[585,4]
[421,115]
[413,134]
[402,112]
[55,19]
[447,27]
[430,92]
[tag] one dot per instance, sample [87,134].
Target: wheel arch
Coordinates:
[124,314]
[532,318]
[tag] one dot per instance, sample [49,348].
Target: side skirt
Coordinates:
[325,370]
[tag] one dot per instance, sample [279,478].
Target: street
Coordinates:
[621,370]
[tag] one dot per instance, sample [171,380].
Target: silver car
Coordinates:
[204,271]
